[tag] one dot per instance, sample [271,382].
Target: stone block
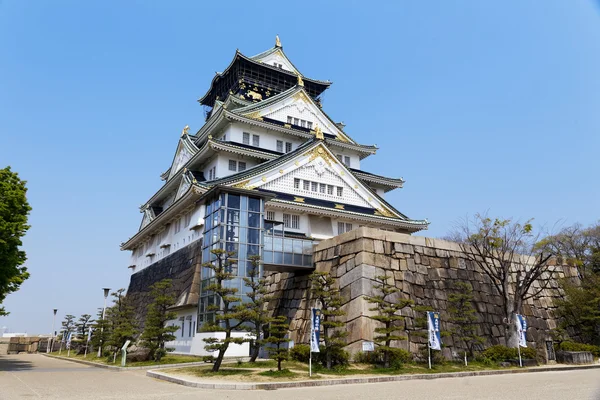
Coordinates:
[421,269]
[403,265]
[395,264]
[403,248]
[378,247]
[411,264]
[361,287]
[358,307]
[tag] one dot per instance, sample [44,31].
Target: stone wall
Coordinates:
[183,267]
[423,269]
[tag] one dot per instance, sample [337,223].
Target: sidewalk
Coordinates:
[228,385]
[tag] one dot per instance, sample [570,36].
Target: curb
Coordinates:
[121,369]
[350,381]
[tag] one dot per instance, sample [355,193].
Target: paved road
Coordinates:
[35,376]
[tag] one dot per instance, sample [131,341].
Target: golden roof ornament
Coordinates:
[300,81]
[319,132]
[185,130]
[277,41]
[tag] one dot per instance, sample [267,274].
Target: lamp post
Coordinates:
[106,290]
[52,333]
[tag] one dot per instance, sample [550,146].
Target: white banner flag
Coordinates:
[521,329]
[433,325]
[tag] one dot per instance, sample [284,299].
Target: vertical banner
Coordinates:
[315,330]
[69,340]
[521,329]
[433,325]
[89,335]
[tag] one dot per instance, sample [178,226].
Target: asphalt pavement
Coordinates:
[31,376]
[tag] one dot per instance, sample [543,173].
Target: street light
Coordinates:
[106,290]
[52,333]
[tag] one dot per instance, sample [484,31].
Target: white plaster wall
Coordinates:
[275,57]
[268,139]
[178,240]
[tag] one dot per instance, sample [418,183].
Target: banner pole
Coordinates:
[429,351]
[520,361]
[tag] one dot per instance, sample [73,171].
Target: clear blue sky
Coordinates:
[479,105]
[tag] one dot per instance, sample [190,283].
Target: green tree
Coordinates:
[101,332]
[229,312]
[156,331]
[121,317]
[277,331]
[324,290]
[387,304]
[513,258]
[256,313]
[68,325]
[579,308]
[14,211]
[463,316]
[83,325]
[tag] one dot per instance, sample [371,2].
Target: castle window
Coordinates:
[340,191]
[347,160]
[296,121]
[280,146]
[287,220]
[313,186]
[306,185]
[232,165]
[330,189]
[271,215]
[309,124]
[255,140]
[290,120]
[303,123]
[296,183]
[339,157]
[246,138]
[291,221]
[295,221]
[322,187]
[288,147]
[344,227]
[241,166]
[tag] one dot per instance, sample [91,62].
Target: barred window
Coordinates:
[309,125]
[306,185]
[246,138]
[340,191]
[290,119]
[255,140]
[295,221]
[232,165]
[296,183]
[330,189]
[241,166]
[287,220]
[288,147]
[347,160]
[313,186]
[280,146]
[322,187]
[271,215]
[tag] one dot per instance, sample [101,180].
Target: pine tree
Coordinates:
[388,304]
[324,290]
[101,332]
[463,316]
[121,317]
[68,325]
[156,331]
[83,325]
[256,313]
[278,329]
[229,312]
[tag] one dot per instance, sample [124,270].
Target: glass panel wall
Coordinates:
[234,223]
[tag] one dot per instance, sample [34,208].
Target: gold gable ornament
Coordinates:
[277,41]
[319,132]
[185,130]
[300,81]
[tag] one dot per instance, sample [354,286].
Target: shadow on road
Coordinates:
[13,364]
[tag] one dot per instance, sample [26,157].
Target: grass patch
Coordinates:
[271,364]
[168,359]
[284,373]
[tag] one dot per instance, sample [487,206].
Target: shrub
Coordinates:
[300,352]
[574,346]
[503,353]
[365,357]
[339,357]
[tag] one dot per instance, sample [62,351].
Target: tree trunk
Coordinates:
[511,334]
[221,354]
[255,352]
